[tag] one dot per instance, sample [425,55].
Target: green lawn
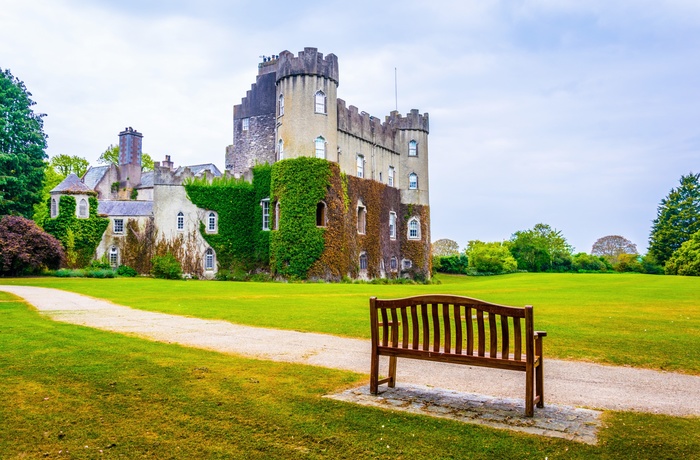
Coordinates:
[623,319]
[73,392]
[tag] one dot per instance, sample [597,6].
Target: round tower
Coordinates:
[306,100]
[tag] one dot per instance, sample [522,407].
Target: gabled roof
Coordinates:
[72,184]
[94,175]
[125,208]
[199,169]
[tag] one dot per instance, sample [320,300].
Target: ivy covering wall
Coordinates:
[79,236]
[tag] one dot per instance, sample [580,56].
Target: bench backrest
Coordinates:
[453,325]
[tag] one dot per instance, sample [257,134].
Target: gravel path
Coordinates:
[566,382]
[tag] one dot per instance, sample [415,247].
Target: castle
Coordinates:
[369,216]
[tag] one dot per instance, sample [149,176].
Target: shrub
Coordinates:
[99,273]
[628,263]
[686,259]
[26,249]
[100,264]
[493,258]
[456,264]
[124,270]
[166,267]
[583,262]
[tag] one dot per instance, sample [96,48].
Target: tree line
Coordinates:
[674,246]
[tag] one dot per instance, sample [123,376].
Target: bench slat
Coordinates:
[436,327]
[426,326]
[458,328]
[505,338]
[385,330]
[470,329]
[394,328]
[482,334]
[517,336]
[404,332]
[415,326]
[493,335]
[446,321]
[453,358]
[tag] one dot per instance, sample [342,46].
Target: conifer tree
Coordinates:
[677,218]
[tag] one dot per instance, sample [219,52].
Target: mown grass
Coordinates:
[622,319]
[73,392]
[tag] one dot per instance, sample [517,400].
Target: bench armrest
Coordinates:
[540,334]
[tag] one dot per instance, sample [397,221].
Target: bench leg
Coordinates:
[539,383]
[529,399]
[392,371]
[374,374]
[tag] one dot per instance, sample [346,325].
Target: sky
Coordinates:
[582,115]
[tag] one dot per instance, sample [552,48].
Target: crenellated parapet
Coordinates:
[412,121]
[308,62]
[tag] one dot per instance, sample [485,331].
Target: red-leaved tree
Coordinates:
[26,249]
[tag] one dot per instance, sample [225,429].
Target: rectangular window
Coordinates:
[245,124]
[118,225]
[265,213]
[390,180]
[392,225]
[360,166]
[361,219]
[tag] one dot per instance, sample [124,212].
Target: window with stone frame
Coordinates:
[320,102]
[363,261]
[281,104]
[407,264]
[320,146]
[361,219]
[413,229]
[180,221]
[54,207]
[390,177]
[280,148]
[321,219]
[276,222]
[209,259]
[412,148]
[83,208]
[265,203]
[392,225]
[360,165]
[114,256]
[413,181]
[394,264]
[118,226]
[211,222]
[245,124]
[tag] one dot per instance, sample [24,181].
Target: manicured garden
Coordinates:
[73,392]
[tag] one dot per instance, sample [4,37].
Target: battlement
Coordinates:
[413,120]
[308,62]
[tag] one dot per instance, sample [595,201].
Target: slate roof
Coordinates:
[71,184]
[146,179]
[198,169]
[125,208]
[94,175]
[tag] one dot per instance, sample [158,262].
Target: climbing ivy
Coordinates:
[298,185]
[78,236]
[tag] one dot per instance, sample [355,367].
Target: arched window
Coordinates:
[281,106]
[54,207]
[394,264]
[211,222]
[320,144]
[413,229]
[412,148]
[321,214]
[363,261]
[280,148]
[361,219]
[180,221]
[114,256]
[209,259]
[276,222]
[413,181]
[83,208]
[320,102]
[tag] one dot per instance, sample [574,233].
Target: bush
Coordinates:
[628,263]
[583,262]
[457,264]
[651,266]
[166,267]
[492,258]
[99,273]
[25,249]
[124,270]
[100,264]
[686,259]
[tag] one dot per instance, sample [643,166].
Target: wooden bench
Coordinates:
[461,330]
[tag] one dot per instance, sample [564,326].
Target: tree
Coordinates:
[22,148]
[583,262]
[612,247]
[111,156]
[66,164]
[540,249]
[492,258]
[26,249]
[686,260]
[677,219]
[445,248]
